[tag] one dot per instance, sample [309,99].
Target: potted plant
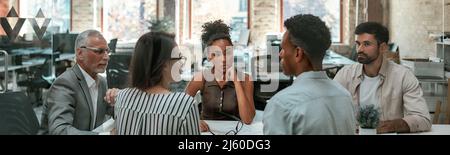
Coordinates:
[161,25]
[368,119]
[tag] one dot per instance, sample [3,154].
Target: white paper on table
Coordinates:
[105,127]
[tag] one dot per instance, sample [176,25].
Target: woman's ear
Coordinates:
[167,66]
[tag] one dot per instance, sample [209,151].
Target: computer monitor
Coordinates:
[244,37]
[64,42]
[117,72]
[393,47]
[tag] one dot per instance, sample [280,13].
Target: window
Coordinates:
[243,6]
[128,20]
[328,10]
[232,12]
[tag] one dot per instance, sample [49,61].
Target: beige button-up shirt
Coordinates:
[400,94]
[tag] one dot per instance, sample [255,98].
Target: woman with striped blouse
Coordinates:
[149,108]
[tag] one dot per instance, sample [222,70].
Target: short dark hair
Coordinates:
[215,30]
[310,33]
[380,32]
[153,50]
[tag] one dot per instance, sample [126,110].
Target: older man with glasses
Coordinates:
[75,102]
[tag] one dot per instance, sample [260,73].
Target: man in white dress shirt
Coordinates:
[313,104]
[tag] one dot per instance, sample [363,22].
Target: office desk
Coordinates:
[66,56]
[435,130]
[269,76]
[25,64]
[332,59]
[31,63]
[36,62]
[222,127]
[256,128]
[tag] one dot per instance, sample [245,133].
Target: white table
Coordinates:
[222,127]
[435,130]
[256,128]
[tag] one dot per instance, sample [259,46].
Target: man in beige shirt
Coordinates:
[380,82]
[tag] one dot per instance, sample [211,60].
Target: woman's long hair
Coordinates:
[152,52]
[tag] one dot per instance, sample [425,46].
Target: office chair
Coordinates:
[331,72]
[117,71]
[393,53]
[17,116]
[260,97]
[354,53]
[112,45]
[38,79]
[4,77]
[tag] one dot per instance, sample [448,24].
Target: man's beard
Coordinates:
[365,59]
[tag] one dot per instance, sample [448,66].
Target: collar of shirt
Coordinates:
[93,90]
[383,70]
[311,75]
[89,80]
[229,84]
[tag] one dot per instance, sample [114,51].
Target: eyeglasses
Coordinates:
[180,59]
[236,130]
[99,51]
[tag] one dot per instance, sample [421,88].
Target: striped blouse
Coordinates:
[140,113]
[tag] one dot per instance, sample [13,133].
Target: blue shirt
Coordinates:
[312,105]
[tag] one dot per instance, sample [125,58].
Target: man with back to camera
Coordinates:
[392,88]
[75,104]
[313,104]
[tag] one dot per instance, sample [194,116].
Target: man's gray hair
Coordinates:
[83,37]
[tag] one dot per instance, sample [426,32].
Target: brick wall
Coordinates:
[265,18]
[411,23]
[348,26]
[82,15]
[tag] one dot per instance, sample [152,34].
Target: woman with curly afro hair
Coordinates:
[228,93]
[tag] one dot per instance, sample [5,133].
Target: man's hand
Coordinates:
[111,95]
[398,125]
